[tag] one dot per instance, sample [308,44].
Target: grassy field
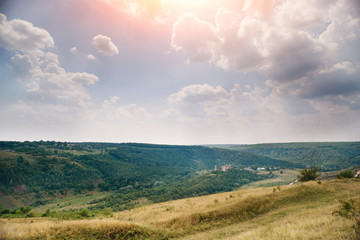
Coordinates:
[74,202]
[301,211]
[285,177]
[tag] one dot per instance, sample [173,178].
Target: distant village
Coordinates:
[226,167]
[223,168]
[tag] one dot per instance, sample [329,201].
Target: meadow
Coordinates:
[302,211]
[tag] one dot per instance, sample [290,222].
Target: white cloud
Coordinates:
[49,83]
[49,87]
[73,50]
[187,28]
[91,57]
[199,101]
[111,112]
[104,45]
[20,35]
[304,48]
[246,42]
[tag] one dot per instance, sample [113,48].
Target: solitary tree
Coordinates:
[308,174]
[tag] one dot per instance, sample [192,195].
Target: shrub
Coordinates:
[25,210]
[351,210]
[107,212]
[46,213]
[30,215]
[84,212]
[18,212]
[309,174]
[345,174]
[6,211]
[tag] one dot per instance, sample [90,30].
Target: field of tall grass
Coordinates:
[302,211]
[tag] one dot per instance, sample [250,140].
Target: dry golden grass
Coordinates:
[293,223]
[294,212]
[74,229]
[168,210]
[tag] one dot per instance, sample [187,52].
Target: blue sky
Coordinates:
[180,72]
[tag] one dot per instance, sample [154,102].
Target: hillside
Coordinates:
[119,176]
[34,173]
[328,156]
[290,212]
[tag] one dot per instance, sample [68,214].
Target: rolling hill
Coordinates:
[328,156]
[38,173]
[35,172]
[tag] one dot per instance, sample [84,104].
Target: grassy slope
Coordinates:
[294,212]
[287,176]
[73,202]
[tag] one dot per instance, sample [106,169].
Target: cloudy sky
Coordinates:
[180,71]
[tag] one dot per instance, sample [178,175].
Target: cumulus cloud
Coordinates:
[104,45]
[91,57]
[187,28]
[199,100]
[305,48]
[111,110]
[48,85]
[334,83]
[246,42]
[20,35]
[73,50]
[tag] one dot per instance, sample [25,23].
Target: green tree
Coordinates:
[30,215]
[26,209]
[84,212]
[345,174]
[20,160]
[46,213]
[6,211]
[18,212]
[309,174]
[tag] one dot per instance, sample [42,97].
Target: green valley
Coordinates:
[148,191]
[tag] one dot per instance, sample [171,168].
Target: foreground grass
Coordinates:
[74,229]
[293,212]
[290,223]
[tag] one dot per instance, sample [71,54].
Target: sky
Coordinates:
[180,71]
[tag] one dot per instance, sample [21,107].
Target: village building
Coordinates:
[223,168]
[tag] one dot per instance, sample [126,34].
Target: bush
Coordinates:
[84,212]
[309,174]
[46,213]
[30,215]
[345,174]
[107,212]
[6,211]
[18,212]
[351,210]
[25,210]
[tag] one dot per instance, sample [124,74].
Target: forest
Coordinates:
[36,173]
